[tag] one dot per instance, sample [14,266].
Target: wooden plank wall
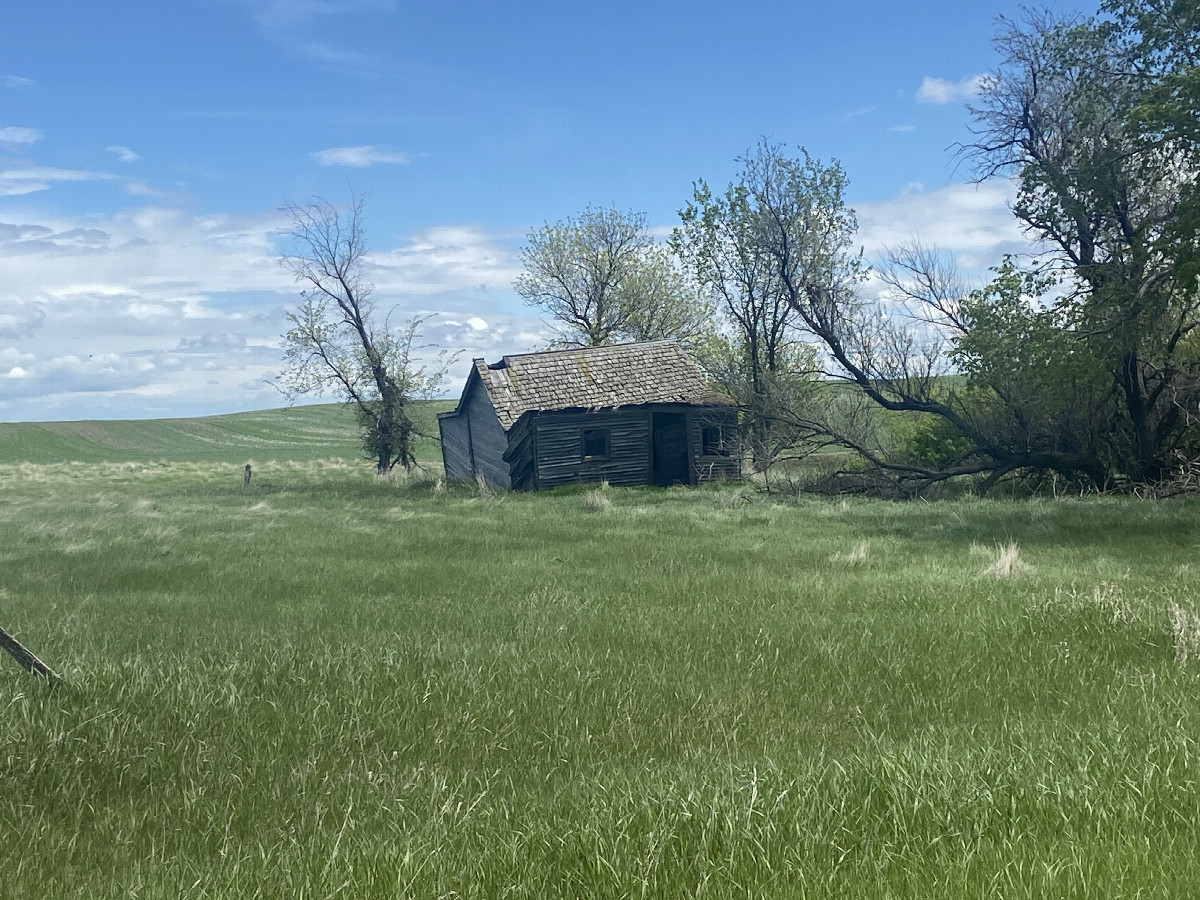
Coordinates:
[544,450]
[473,443]
[456,448]
[520,455]
[558,447]
[488,440]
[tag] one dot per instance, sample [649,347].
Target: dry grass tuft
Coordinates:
[1106,598]
[855,557]
[596,501]
[1008,563]
[486,491]
[731,499]
[1111,599]
[1185,633]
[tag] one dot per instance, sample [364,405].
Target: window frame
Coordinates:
[716,447]
[590,433]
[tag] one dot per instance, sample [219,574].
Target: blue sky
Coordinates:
[145,149]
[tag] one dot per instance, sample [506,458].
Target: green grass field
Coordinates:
[300,433]
[334,685]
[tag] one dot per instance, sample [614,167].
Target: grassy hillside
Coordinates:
[331,684]
[297,434]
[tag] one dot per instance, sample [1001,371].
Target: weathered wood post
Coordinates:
[246,476]
[30,662]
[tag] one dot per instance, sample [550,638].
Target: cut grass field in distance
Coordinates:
[298,433]
[331,684]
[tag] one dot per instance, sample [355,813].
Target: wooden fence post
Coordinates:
[30,662]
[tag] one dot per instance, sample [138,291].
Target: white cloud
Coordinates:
[444,259]
[16,81]
[138,313]
[16,134]
[940,91]
[30,179]
[336,56]
[971,224]
[19,320]
[124,154]
[296,25]
[11,358]
[973,218]
[17,188]
[359,157]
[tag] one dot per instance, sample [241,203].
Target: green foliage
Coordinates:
[1031,376]
[778,231]
[602,279]
[929,441]
[1160,39]
[1106,179]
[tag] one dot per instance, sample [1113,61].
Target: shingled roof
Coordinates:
[594,378]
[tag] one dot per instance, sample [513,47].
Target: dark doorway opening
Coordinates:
[670,449]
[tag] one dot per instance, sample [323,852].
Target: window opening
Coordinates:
[595,443]
[712,441]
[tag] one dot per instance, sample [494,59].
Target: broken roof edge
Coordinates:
[507,359]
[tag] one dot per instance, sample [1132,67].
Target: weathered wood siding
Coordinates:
[476,440]
[520,455]
[456,447]
[545,449]
[558,447]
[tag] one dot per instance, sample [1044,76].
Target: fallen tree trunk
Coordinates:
[27,660]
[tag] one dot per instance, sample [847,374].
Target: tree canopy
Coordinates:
[337,342]
[601,278]
[1083,360]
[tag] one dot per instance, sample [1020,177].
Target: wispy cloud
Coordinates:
[158,311]
[939,91]
[124,154]
[15,134]
[903,129]
[359,157]
[445,259]
[335,56]
[296,25]
[16,81]
[30,179]
[858,113]
[286,14]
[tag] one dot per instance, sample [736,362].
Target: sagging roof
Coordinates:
[594,378]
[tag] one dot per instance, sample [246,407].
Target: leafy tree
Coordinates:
[1160,41]
[336,341]
[1085,366]
[1067,114]
[602,279]
[759,356]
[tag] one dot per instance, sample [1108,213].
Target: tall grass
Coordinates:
[329,684]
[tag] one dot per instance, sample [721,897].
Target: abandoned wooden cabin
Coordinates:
[626,414]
